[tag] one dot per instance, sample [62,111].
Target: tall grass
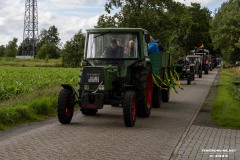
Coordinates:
[32,110]
[29,107]
[226,106]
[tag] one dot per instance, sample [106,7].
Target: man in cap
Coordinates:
[115,51]
[160,47]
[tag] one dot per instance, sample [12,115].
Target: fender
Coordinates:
[69,87]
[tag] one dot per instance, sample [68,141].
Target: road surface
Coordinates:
[104,136]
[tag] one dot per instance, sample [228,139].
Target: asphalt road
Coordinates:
[104,136]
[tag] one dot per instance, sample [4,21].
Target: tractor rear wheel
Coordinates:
[189,78]
[200,73]
[206,69]
[193,75]
[165,93]
[129,108]
[65,106]
[144,92]
[157,97]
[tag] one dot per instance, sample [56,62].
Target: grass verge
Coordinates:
[226,106]
[32,107]
[33,110]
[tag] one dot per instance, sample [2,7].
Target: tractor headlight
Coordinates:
[86,87]
[101,88]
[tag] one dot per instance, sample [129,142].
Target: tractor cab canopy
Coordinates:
[199,51]
[115,44]
[112,45]
[194,59]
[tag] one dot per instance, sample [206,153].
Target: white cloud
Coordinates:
[202,2]
[69,16]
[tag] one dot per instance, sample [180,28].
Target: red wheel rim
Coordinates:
[149,90]
[68,110]
[133,108]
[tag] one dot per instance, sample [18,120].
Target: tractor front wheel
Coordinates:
[65,106]
[129,108]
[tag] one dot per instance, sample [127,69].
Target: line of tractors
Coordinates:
[199,60]
[131,78]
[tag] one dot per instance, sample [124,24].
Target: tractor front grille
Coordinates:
[92,76]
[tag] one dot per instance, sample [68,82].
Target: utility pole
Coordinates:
[30,33]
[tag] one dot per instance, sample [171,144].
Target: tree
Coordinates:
[11,48]
[148,14]
[48,51]
[225,30]
[105,21]
[2,48]
[179,27]
[193,25]
[28,47]
[49,37]
[43,38]
[72,53]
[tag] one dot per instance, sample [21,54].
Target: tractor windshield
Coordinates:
[112,46]
[193,59]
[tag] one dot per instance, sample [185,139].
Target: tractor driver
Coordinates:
[115,51]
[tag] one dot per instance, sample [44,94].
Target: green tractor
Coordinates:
[116,70]
[205,58]
[195,63]
[184,70]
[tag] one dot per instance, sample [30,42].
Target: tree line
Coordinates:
[180,28]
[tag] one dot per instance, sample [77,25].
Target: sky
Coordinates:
[69,16]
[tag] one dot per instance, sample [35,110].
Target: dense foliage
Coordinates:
[179,27]
[226,30]
[50,36]
[48,51]
[2,48]
[49,42]
[10,50]
[72,53]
